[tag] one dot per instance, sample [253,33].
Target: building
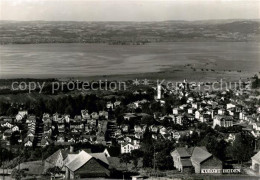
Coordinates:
[28,141]
[175,111]
[222,121]
[129,116]
[159,92]
[45,142]
[181,159]
[256,163]
[127,147]
[21,115]
[202,160]
[195,158]
[85,115]
[110,105]
[87,165]
[57,159]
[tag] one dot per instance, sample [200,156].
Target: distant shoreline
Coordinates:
[170,73]
[137,43]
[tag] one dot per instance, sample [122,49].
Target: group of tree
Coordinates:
[255,82]
[71,105]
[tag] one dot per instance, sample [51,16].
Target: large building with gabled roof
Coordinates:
[87,165]
[194,159]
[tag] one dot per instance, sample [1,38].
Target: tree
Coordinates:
[53,171]
[138,110]
[5,154]
[4,107]
[120,110]
[17,174]
[255,82]
[156,107]
[147,140]
[243,148]
[192,139]
[120,120]
[148,120]
[11,111]
[146,108]
[147,160]
[163,158]
[69,110]
[167,109]
[125,158]
[14,138]
[136,155]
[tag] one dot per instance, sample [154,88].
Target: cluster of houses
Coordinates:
[31,133]
[56,128]
[214,109]
[87,127]
[131,139]
[10,125]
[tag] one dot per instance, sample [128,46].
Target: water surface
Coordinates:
[67,60]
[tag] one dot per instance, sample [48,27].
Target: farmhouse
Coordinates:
[194,158]
[87,165]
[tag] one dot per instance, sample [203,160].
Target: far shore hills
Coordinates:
[129,33]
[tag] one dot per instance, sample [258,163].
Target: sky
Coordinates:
[128,10]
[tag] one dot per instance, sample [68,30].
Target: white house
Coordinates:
[163,130]
[221,111]
[67,118]
[175,111]
[21,115]
[222,121]
[179,120]
[194,105]
[18,117]
[85,114]
[243,115]
[128,147]
[230,105]
[15,128]
[117,103]
[7,124]
[103,114]
[256,126]
[197,115]
[110,105]
[137,128]
[28,141]
[190,111]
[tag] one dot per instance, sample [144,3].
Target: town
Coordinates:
[145,131]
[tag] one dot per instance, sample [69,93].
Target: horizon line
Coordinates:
[233,19]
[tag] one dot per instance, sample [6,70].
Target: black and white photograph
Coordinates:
[130,89]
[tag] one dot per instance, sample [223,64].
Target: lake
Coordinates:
[68,60]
